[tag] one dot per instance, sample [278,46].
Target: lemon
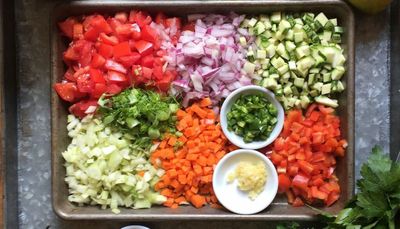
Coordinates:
[370,6]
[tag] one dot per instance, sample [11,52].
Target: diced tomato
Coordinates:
[110,40]
[144,47]
[284,183]
[114,76]
[71,54]
[325,110]
[298,202]
[69,74]
[85,85]
[121,16]
[97,76]
[300,181]
[164,83]
[103,49]
[77,31]
[106,50]
[91,34]
[130,60]
[147,61]
[98,90]
[149,34]
[140,17]
[115,66]
[147,72]
[315,193]
[80,109]
[332,198]
[67,91]
[306,167]
[122,49]
[97,61]
[100,24]
[113,89]
[67,26]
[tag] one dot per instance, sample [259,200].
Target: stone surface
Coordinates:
[35,211]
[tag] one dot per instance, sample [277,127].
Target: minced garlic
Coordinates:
[251,178]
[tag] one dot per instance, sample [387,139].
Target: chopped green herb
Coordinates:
[252,117]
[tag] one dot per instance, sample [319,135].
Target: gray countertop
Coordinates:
[33,69]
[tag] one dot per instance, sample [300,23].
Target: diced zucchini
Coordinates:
[338,29]
[326,101]
[284,25]
[290,46]
[249,67]
[305,64]
[282,51]
[317,86]
[270,50]
[326,77]
[287,90]
[252,22]
[314,70]
[298,37]
[326,89]
[289,35]
[276,17]
[283,69]
[292,65]
[298,82]
[304,101]
[311,79]
[277,62]
[321,18]
[340,86]
[260,28]
[337,73]
[271,84]
[302,51]
[261,54]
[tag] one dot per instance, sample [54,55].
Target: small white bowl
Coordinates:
[230,196]
[226,107]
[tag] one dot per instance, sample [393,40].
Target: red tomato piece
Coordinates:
[85,85]
[122,49]
[100,24]
[67,91]
[121,16]
[80,109]
[71,54]
[147,61]
[298,202]
[110,40]
[97,61]
[284,183]
[114,76]
[149,34]
[98,90]
[147,72]
[67,26]
[113,89]
[77,31]
[300,181]
[144,47]
[130,60]
[96,76]
[91,34]
[140,17]
[105,50]
[115,66]
[164,84]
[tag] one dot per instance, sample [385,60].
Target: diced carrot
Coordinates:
[198,201]
[189,169]
[172,141]
[205,102]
